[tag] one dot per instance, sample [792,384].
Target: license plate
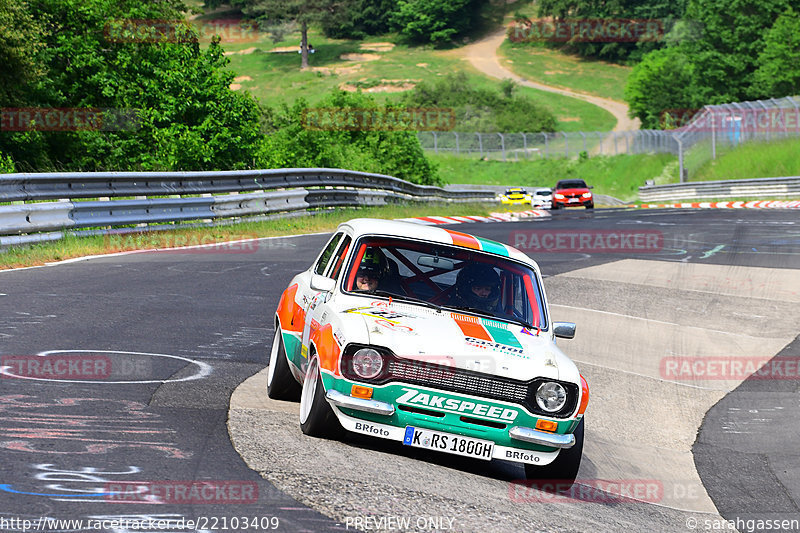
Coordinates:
[447,442]
[573,200]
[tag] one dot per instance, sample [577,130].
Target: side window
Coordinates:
[338,258]
[325,258]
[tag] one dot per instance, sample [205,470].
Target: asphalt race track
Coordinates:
[161,382]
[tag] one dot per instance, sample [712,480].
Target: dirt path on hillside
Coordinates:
[483,56]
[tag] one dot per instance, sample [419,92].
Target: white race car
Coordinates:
[434,338]
[542,197]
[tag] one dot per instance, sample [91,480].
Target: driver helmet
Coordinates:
[374,263]
[478,275]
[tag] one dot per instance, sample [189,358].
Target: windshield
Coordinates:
[571,184]
[446,276]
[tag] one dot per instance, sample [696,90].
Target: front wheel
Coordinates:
[563,471]
[281,384]
[316,415]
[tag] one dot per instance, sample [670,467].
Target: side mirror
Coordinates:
[323,284]
[564,330]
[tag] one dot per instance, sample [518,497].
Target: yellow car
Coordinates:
[515,195]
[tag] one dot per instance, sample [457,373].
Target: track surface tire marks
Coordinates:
[204,307]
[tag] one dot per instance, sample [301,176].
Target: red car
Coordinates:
[572,193]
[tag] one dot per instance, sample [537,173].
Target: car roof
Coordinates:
[415,231]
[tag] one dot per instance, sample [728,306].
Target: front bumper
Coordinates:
[583,202]
[359,404]
[396,433]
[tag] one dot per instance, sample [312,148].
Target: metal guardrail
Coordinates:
[759,187]
[280,191]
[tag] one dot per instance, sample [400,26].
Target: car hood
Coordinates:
[579,190]
[462,341]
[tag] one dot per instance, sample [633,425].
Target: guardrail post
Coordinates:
[458,151]
[503,145]
[480,144]
[681,170]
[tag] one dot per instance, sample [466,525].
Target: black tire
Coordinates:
[561,473]
[554,207]
[281,384]
[316,415]
[589,206]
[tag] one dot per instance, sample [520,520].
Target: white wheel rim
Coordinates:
[309,389]
[273,357]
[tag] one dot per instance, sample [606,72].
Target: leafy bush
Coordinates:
[292,144]
[6,164]
[482,110]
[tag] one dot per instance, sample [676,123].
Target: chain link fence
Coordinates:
[518,146]
[708,133]
[717,129]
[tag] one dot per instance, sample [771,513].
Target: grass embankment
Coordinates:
[555,68]
[77,246]
[753,160]
[619,176]
[380,66]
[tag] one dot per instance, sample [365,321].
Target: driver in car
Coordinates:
[477,286]
[371,271]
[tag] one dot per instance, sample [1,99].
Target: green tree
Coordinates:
[359,18]
[436,21]
[21,40]
[304,12]
[734,33]
[663,12]
[664,82]
[188,118]
[778,71]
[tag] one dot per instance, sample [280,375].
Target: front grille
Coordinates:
[458,380]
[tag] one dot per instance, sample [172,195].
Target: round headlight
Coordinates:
[551,396]
[367,363]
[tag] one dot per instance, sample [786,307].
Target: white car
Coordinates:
[542,198]
[434,338]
